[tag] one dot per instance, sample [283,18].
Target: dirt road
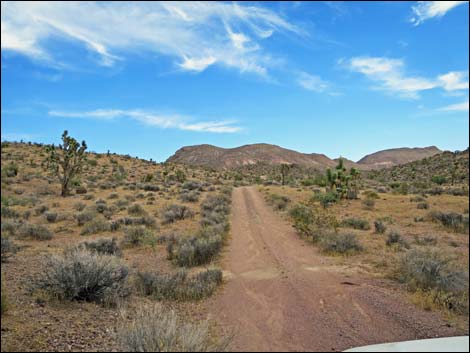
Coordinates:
[281,294]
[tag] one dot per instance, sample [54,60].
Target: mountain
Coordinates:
[219,158]
[229,158]
[396,156]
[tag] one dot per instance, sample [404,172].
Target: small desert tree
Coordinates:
[66,161]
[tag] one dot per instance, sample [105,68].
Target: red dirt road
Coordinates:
[281,294]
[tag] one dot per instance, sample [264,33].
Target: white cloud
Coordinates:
[195,34]
[312,82]
[425,10]
[454,80]
[153,119]
[459,107]
[390,75]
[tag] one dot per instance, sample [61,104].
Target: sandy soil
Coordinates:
[281,294]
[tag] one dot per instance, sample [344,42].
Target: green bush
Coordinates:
[327,198]
[135,236]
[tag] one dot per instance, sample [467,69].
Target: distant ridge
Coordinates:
[395,156]
[228,158]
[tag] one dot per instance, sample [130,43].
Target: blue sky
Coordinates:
[148,78]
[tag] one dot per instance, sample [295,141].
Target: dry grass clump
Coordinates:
[157,329]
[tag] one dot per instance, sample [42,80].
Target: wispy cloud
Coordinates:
[390,75]
[195,34]
[425,10]
[15,136]
[154,119]
[458,107]
[312,82]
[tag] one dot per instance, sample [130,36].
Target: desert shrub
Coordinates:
[452,220]
[11,170]
[368,204]
[4,301]
[157,329]
[179,286]
[379,226]
[34,232]
[8,249]
[339,243]
[189,196]
[175,212]
[80,190]
[88,197]
[195,251]
[422,206]
[149,187]
[136,210]
[432,271]
[192,185]
[95,226]
[279,202]
[86,216]
[101,206]
[51,217]
[113,195]
[103,246]
[438,179]
[426,240]
[371,194]
[356,223]
[79,206]
[135,236]
[395,239]
[327,198]
[312,222]
[84,275]
[417,199]
[8,212]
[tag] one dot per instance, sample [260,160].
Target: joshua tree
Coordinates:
[67,160]
[285,168]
